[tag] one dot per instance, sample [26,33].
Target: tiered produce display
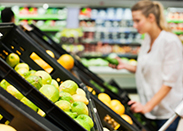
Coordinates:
[80,70]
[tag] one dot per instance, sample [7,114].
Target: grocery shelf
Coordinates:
[51,28]
[178,32]
[119,42]
[103,56]
[175,21]
[109,29]
[41,17]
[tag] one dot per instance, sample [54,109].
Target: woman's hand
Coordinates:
[121,65]
[137,107]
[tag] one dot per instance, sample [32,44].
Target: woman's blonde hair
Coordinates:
[147,7]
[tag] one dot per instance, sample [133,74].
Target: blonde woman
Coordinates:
[159,68]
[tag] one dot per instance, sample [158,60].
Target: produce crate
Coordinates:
[85,75]
[20,116]
[16,40]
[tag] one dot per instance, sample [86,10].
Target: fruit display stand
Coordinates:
[83,73]
[15,40]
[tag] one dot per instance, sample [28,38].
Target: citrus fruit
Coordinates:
[29,103]
[55,83]
[104,97]
[12,59]
[114,102]
[50,53]
[46,78]
[117,107]
[64,105]
[81,98]
[91,90]
[49,69]
[50,91]
[69,86]
[81,92]
[66,96]
[127,118]
[4,127]
[21,65]
[66,61]
[35,80]
[13,91]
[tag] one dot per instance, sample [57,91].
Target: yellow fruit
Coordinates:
[117,107]
[81,98]
[127,118]
[50,53]
[66,61]
[91,90]
[4,127]
[114,102]
[81,92]
[104,97]
[12,59]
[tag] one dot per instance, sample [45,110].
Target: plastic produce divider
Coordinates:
[20,116]
[53,112]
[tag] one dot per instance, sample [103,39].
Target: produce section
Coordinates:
[102,102]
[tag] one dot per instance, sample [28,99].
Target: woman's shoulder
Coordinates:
[170,37]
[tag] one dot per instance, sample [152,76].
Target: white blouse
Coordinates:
[161,66]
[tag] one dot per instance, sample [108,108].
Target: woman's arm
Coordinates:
[138,107]
[122,65]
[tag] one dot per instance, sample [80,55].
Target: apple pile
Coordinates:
[67,96]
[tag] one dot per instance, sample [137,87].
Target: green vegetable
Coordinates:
[112,88]
[97,86]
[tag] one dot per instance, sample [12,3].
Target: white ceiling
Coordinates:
[111,3]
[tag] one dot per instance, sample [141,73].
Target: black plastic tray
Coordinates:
[84,74]
[20,116]
[16,40]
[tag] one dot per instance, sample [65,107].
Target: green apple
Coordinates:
[23,72]
[69,86]
[51,92]
[35,80]
[55,83]
[71,114]
[29,103]
[79,107]
[13,91]
[83,124]
[64,105]
[46,78]
[87,119]
[66,96]
[21,65]
[12,59]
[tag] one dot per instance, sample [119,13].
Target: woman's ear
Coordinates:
[151,17]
